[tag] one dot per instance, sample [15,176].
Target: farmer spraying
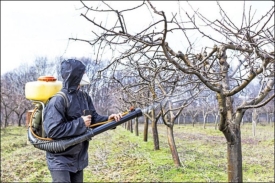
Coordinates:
[64,120]
[62,123]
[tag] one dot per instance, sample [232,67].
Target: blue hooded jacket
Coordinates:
[61,122]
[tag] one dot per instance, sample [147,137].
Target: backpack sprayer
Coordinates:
[39,92]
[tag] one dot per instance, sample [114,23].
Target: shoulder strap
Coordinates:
[64,96]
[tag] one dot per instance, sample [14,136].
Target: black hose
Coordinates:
[55,146]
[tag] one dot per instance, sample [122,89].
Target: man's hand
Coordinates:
[87,120]
[115,116]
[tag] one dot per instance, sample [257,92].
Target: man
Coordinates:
[62,122]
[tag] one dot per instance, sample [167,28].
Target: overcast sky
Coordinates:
[31,29]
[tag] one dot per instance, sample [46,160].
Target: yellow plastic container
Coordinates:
[42,89]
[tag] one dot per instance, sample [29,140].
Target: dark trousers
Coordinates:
[66,176]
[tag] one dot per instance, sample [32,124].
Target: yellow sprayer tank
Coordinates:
[42,89]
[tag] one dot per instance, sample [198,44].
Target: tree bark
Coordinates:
[183,119]
[20,116]
[254,121]
[234,155]
[131,126]
[193,121]
[230,127]
[145,130]
[204,121]
[136,126]
[216,121]
[172,146]
[155,135]
[155,132]
[270,118]
[128,127]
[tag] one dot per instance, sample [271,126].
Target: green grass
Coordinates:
[120,156]
[20,161]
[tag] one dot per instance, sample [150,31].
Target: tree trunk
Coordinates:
[131,126]
[128,125]
[271,117]
[230,127]
[234,154]
[6,118]
[21,117]
[172,145]
[6,122]
[268,119]
[183,119]
[204,121]
[155,131]
[136,126]
[155,135]
[254,122]
[193,121]
[216,121]
[145,131]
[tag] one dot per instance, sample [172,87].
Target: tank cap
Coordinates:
[46,78]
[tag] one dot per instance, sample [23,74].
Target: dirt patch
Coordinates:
[200,137]
[250,141]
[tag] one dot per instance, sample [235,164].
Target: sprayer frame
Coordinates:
[42,119]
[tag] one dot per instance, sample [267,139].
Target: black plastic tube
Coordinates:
[132,114]
[55,146]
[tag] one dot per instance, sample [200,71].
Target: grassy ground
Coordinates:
[120,156]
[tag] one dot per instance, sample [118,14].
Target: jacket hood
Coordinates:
[72,71]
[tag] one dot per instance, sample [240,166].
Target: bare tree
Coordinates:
[138,84]
[193,112]
[178,92]
[57,67]
[269,112]
[44,67]
[207,107]
[13,98]
[241,54]
[6,104]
